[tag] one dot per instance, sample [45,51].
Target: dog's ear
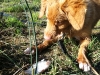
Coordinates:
[75,11]
[43,8]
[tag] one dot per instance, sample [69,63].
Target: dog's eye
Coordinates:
[57,22]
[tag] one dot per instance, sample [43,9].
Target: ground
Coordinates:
[12,56]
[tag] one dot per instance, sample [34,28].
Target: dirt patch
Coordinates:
[11,50]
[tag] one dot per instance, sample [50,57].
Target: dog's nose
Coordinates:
[47,37]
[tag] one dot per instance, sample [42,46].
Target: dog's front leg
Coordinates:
[83,63]
[43,45]
[40,47]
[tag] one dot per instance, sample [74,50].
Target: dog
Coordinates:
[73,18]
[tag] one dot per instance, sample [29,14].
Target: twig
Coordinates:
[20,69]
[94,71]
[64,51]
[6,30]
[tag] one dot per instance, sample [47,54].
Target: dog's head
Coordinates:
[62,13]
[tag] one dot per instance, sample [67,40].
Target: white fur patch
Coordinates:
[28,51]
[84,66]
[81,65]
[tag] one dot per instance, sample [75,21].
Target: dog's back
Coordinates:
[97,2]
[92,13]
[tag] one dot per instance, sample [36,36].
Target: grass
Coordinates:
[61,64]
[17,6]
[67,65]
[12,22]
[98,24]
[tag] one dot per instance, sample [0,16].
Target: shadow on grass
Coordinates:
[11,60]
[65,51]
[97,67]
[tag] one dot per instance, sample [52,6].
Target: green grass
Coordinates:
[98,24]
[19,6]
[12,22]
[64,65]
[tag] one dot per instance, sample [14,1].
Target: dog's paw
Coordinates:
[28,51]
[84,66]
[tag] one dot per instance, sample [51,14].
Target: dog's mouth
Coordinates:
[50,34]
[54,28]
[53,34]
